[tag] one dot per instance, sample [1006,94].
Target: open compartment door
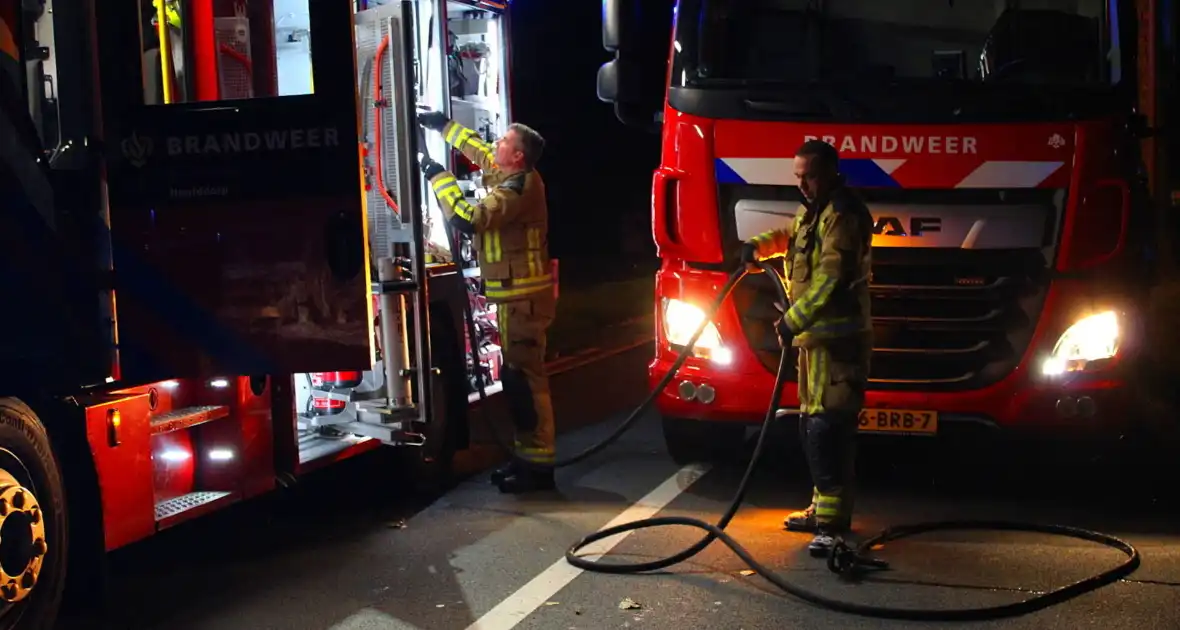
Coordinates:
[237,218]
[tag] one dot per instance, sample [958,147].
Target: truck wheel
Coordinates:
[33,530]
[692,441]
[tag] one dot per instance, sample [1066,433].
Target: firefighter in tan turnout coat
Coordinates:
[510,227]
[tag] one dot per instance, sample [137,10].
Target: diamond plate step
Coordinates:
[187,417]
[186,506]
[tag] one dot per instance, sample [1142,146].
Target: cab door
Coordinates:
[236,216]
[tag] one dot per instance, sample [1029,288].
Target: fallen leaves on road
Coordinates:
[629,604]
[746,572]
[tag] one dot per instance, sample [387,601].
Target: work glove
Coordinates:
[433,120]
[430,168]
[749,257]
[785,336]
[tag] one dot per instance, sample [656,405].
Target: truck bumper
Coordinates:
[1085,406]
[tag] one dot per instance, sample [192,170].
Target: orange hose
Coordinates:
[379,168]
[238,57]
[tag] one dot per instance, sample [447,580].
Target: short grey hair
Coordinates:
[530,143]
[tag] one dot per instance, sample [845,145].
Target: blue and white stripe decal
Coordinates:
[881,173]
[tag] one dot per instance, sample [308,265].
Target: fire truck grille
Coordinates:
[944,319]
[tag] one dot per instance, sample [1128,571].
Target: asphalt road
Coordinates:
[348,550]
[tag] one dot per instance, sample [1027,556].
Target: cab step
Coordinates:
[186,506]
[187,417]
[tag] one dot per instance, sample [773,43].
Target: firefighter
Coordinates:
[510,227]
[827,251]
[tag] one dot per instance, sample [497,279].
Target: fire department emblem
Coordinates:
[1056,141]
[137,149]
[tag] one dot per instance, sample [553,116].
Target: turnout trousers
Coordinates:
[832,381]
[524,324]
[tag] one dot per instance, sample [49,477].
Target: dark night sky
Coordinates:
[598,172]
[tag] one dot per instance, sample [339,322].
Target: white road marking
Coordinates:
[510,612]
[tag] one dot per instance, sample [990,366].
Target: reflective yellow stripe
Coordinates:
[460,135]
[802,313]
[453,135]
[516,282]
[446,189]
[809,406]
[516,287]
[534,251]
[491,246]
[502,324]
[817,380]
[536,454]
[833,328]
[829,507]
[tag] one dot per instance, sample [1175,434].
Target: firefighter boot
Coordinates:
[504,472]
[529,479]
[821,545]
[803,520]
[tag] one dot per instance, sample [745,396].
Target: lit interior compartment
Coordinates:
[320,402]
[292,26]
[473,70]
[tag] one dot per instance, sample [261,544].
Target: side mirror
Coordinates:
[619,24]
[620,80]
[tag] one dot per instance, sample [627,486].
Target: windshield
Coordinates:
[872,50]
[1048,41]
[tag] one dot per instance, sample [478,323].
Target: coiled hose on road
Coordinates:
[843,559]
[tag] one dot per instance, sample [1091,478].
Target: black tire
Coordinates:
[697,441]
[26,454]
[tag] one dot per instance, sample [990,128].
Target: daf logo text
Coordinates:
[893,226]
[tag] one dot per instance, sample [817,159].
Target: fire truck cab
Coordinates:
[224,265]
[1010,153]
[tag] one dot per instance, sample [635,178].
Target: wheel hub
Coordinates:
[22,539]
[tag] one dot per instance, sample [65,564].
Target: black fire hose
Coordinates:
[843,559]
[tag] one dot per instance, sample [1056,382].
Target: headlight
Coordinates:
[682,319]
[1091,338]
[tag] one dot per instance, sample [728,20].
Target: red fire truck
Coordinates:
[214,288]
[1005,150]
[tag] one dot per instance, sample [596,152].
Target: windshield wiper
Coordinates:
[817,101]
[787,108]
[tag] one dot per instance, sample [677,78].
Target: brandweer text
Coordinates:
[953,145]
[240,142]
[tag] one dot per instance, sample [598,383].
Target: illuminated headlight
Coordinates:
[681,321]
[1091,338]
